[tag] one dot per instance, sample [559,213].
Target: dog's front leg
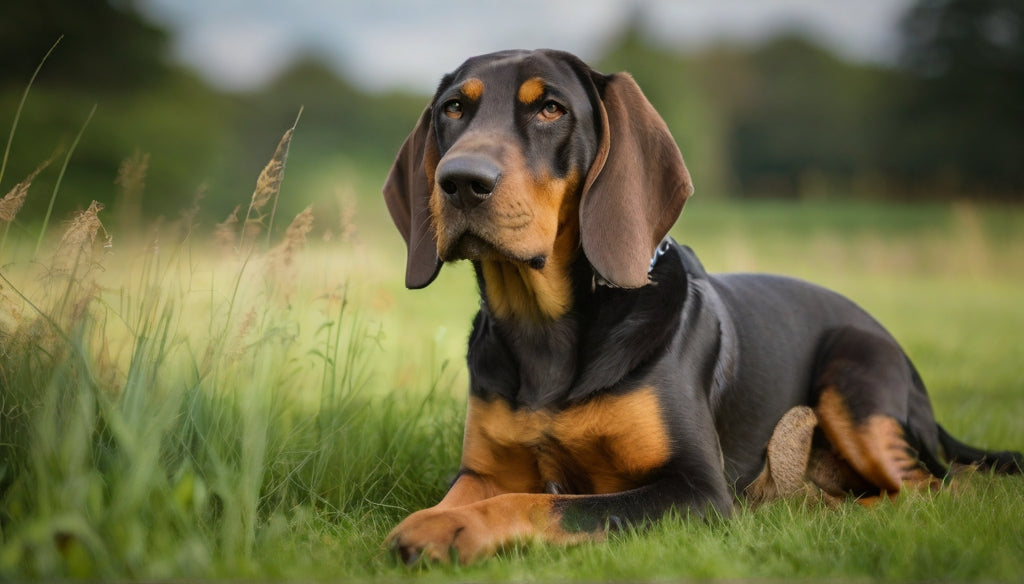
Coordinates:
[469,532]
[430,533]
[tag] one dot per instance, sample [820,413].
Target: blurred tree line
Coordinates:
[787,118]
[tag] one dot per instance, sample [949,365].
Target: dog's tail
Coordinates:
[1000,461]
[939,450]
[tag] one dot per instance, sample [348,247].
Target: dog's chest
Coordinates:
[608,444]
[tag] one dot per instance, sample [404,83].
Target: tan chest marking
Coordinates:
[609,444]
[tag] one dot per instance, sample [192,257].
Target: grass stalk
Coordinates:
[21,105]
[12,202]
[268,187]
[60,177]
[273,209]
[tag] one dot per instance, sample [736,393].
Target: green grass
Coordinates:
[173,409]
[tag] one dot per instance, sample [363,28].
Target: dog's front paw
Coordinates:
[443,536]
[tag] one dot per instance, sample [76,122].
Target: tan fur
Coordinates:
[476,530]
[512,455]
[531,90]
[875,448]
[795,465]
[517,290]
[473,89]
[614,441]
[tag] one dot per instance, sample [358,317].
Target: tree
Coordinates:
[961,116]
[107,45]
[808,124]
[110,57]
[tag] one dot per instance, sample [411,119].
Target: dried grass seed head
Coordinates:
[77,242]
[294,237]
[15,198]
[268,185]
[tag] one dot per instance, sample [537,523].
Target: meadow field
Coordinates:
[250,401]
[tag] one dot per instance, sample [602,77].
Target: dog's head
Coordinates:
[524,156]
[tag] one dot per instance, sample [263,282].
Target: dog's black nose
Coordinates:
[467,181]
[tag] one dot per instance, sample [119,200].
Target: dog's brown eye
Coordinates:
[453,109]
[551,111]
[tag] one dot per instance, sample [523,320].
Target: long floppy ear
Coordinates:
[407,193]
[635,188]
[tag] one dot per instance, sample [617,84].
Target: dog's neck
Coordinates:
[528,317]
[521,293]
[606,335]
[516,292]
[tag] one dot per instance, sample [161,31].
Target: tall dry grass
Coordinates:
[13,201]
[169,413]
[267,191]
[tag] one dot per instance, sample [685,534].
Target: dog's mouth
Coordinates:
[470,246]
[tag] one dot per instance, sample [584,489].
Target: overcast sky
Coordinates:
[384,44]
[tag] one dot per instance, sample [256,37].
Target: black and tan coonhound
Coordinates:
[612,378]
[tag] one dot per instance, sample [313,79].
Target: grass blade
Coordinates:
[21,104]
[60,177]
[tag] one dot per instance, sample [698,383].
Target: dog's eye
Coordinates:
[551,111]
[453,109]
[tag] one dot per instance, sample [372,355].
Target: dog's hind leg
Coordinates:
[867,399]
[786,458]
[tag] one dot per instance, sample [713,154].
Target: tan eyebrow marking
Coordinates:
[472,89]
[531,90]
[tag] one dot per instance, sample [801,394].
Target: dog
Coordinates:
[611,378]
